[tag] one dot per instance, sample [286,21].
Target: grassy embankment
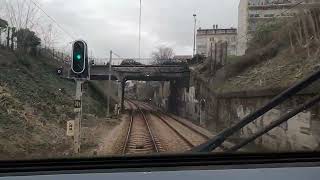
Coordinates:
[34,106]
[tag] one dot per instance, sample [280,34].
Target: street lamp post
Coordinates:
[140,33]
[194,34]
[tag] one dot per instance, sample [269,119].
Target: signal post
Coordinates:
[80,72]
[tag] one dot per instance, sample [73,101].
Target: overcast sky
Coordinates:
[113,24]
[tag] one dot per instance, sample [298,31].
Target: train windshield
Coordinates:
[136,77]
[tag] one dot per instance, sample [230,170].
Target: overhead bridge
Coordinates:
[141,72]
[178,75]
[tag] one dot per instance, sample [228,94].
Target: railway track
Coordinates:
[205,137]
[189,136]
[166,116]
[197,136]
[131,105]
[139,138]
[187,142]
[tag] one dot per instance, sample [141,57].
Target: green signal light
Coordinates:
[78,57]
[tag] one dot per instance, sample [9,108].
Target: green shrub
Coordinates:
[25,61]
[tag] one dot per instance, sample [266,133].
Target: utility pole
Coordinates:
[215,58]
[123,86]
[221,53]
[194,34]
[109,85]
[78,117]
[0,37]
[226,54]
[13,30]
[211,58]
[140,33]
[8,37]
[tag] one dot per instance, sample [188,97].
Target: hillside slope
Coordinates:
[280,53]
[34,106]
[277,73]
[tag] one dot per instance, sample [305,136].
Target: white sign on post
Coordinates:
[70,128]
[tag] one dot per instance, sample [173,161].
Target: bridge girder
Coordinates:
[142,73]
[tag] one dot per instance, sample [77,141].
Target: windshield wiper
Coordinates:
[216,141]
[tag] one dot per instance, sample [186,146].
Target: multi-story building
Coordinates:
[254,12]
[207,36]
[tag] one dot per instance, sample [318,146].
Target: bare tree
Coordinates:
[163,53]
[3,27]
[49,35]
[304,31]
[21,14]
[23,17]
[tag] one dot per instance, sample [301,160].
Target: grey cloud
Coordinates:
[113,24]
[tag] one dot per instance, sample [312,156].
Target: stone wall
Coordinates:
[301,132]
[161,96]
[190,106]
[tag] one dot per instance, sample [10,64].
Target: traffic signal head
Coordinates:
[79,53]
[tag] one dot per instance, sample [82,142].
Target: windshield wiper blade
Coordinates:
[216,141]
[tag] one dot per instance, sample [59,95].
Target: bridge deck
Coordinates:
[141,72]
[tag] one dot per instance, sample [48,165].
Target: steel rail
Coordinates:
[189,127]
[173,129]
[125,145]
[148,126]
[149,130]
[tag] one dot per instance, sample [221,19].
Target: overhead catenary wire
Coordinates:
[52,19]
[121,58]
[113,53]
[116,55]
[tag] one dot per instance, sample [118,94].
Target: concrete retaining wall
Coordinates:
[301,132]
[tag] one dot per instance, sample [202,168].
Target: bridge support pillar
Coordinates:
[176,92]
[123,86]
[172,106]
